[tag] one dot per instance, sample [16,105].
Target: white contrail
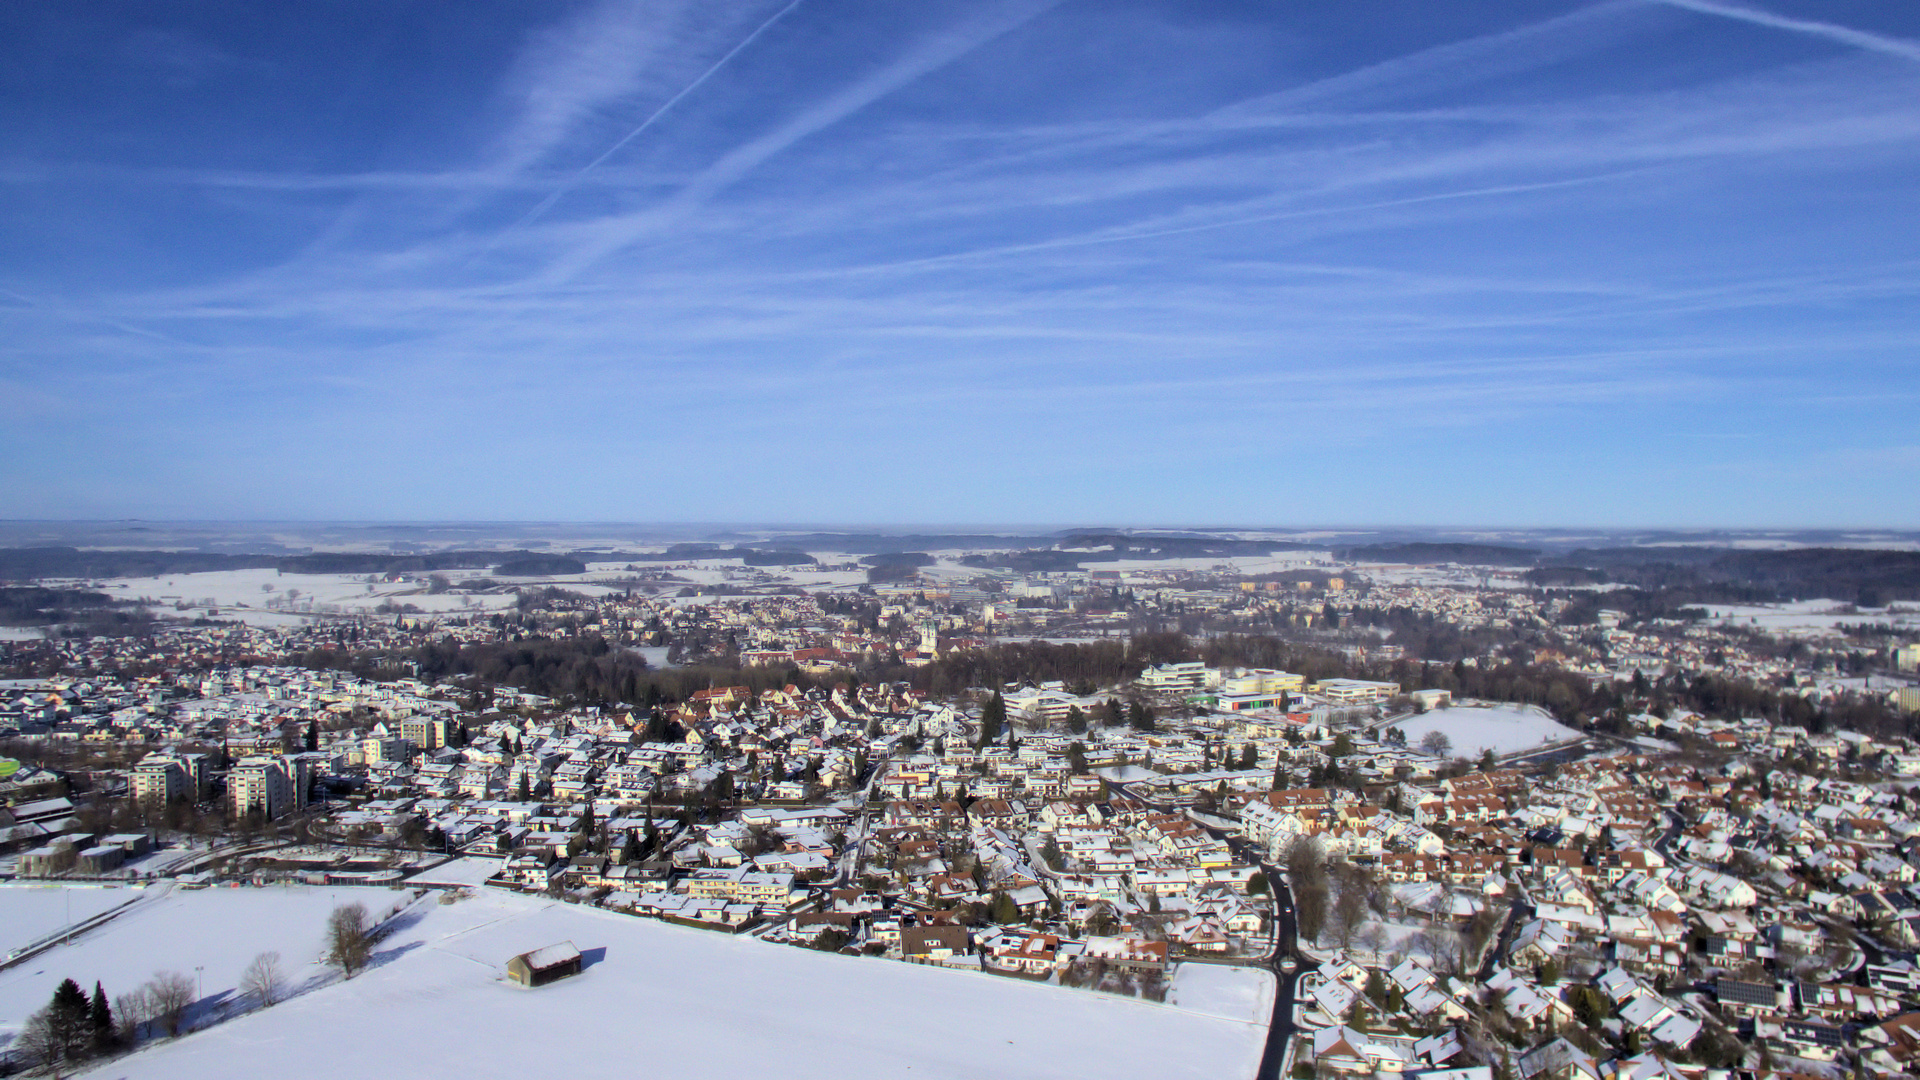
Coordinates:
[84,318]
[931,55]
[1880,43]
[554,197]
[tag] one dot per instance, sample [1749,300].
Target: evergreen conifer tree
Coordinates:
[992,718]
[100,1019]
[67,1024]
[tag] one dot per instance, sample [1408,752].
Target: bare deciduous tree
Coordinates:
[1307,872]
[349,938]
[132,1010]
[169,994]
[262,979]
[1351,907]
[38,1042]
[1435,742]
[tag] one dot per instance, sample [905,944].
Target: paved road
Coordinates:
[1280,1028]
[850,863]
[1501,940]
[1664,845]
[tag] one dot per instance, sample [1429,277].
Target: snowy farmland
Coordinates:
[167,929]
[266,597]
[1473,729]
[680,1002]
[1809,616]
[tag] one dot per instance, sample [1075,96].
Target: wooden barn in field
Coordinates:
[542,966]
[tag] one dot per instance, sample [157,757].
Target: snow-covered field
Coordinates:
[1474,728]
[1244,564]
[218,930]
[1232,993]
[662,1000]
[268,597]
[29,913]
[468,871]
[705,572]
[1805,615]
[1402,574]
[1397,939]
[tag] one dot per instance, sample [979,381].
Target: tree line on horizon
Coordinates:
[590,671]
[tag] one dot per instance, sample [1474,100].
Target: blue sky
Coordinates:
[1617,263]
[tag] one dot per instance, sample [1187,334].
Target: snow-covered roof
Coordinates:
[550,956]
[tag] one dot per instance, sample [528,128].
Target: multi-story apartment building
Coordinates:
[425,732]
[272,787]
[164,778]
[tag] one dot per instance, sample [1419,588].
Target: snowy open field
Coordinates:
[220,930]
[467,871]
[29,913]
[1244,564]
[701,572]
[269,596]
[662,1000]
[1232,993]
[1804,615]
[1402,574]
[1474,728]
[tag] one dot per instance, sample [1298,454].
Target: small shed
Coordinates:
[542,966]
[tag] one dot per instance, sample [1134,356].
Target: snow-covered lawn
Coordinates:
[1474,728]
[661,1000]
[467,871]
[30,912]
[219,930]
[1234,993]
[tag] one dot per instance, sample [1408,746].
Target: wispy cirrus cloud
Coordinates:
[784,229]
[1845,35]
[936,51]
[577,80]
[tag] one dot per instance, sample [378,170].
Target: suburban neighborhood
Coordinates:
[1433,883]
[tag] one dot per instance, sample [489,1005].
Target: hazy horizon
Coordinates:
[268,537]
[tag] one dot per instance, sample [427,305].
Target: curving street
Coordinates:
[1287,967]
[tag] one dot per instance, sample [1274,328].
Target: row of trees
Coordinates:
[74,1027]
[1329,896]
[592,671]
[71,1028]
[587,669]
